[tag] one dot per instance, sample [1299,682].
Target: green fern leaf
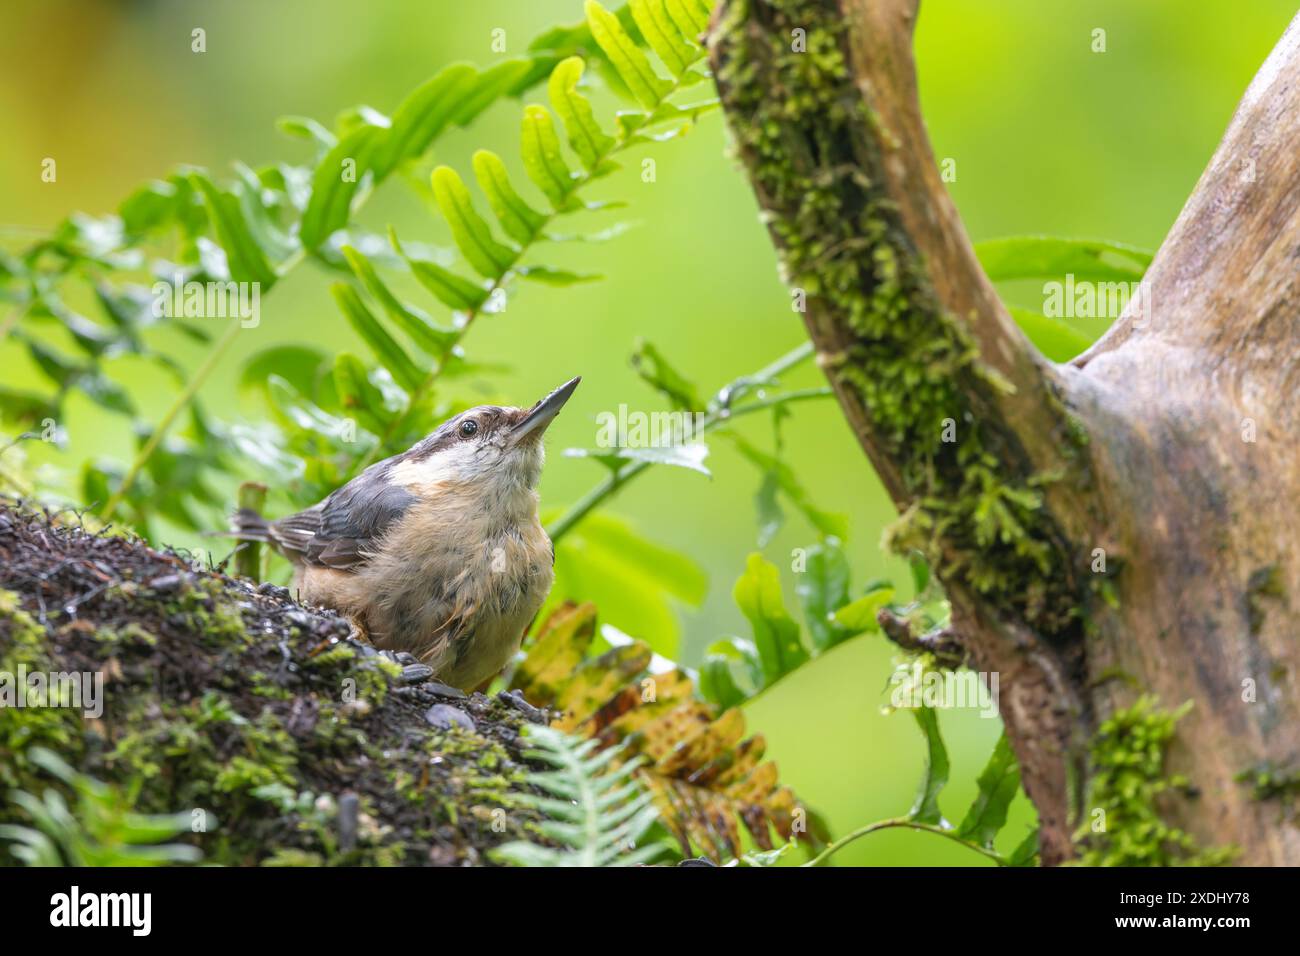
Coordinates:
[449,288]
[691,16]
[509,78]
[390,354]
[376,146]
[999,783]
[334,183]
[427,336]
[357,394]
[422,116]
[556,277]
[103,830]
[543,161]
[244,257]
[632,65]
[520,221]
[596,809]
[473,235]
[657,26]
[588,140]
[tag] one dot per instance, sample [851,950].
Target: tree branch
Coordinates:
[957,412]
[1129,515]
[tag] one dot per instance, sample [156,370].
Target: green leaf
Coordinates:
[636,582]
[423,332]
[601,235]
[25,408]
[472,234]
[762,857]
[1026,851]
[357,395]
[89,379]
[304,127]
[105,393]
[691,16]
[654,369]
[334,183]
[244,257]
[999,783]
[683,456]
[593,807]
[860,615]
[60,370]
[129,308]
[1056,340]
[823,588]
[556,277]
[376,146]
[1049,257]
[450,289]
[935,777]
[776,635]
[389,353]
[657,26]
[717,674]
[420,117]
[543,161]
[492,84]
[261,205]
[673,572]
[632,65]
[96,483]
[149,207]
[299,365]
[586,137]
[828,523]
[771,517]
[920,569]
[520,221]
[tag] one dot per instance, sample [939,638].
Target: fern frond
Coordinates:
[254,228]
[102,831]
[697,766]
[496,253]
[596,809]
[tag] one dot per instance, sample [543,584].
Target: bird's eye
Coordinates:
[468,427]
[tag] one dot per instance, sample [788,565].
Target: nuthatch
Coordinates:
[437,551]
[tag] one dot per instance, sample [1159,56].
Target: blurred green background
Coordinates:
[1048,137]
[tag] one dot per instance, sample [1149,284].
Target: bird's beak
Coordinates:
[544,412]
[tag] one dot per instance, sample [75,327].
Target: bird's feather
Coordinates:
[343,531]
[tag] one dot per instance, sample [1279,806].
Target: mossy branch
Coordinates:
[957,412]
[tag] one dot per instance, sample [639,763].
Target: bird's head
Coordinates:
[486,444]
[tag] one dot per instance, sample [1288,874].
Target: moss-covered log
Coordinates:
[1118,526]
[235,704]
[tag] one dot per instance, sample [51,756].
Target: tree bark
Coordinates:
[1169,445]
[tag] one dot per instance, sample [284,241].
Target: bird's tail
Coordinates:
[247,525]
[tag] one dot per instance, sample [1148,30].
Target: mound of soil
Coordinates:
[233,702]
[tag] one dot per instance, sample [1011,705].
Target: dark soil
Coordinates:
[304,745]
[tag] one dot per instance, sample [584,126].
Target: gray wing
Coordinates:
[343,530]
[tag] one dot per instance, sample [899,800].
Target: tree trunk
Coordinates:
[1123,525]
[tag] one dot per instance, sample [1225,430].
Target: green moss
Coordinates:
[23,650]
[220,702]
[131,633]
[1272,782]
[290,858]
[203,608]
[1264,583]
[1123,825]
[803,130]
